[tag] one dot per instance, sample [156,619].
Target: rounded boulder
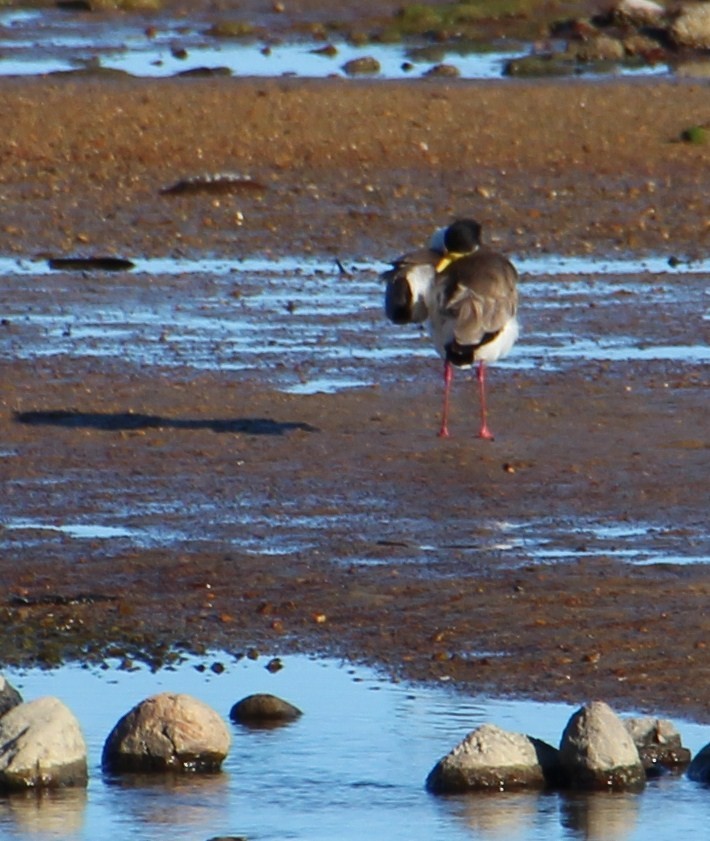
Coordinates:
[699,768]
[263,709]
[168,732]
[491,758]
[41,746]
[597,752]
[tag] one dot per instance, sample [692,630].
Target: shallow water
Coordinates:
[240,316]
[256,531]
[353,765]
[49,40]
[647,316]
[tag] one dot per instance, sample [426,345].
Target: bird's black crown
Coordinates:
[463,236]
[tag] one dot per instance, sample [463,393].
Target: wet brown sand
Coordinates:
[362,169]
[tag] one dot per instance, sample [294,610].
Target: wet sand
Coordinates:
[359,169]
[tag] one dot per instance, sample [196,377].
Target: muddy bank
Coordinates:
[350,168]
[217,465]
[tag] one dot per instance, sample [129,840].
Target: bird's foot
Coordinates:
[443,432]
[485,433]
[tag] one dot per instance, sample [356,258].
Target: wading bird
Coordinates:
[467,293]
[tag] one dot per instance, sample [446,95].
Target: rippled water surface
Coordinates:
[354,765]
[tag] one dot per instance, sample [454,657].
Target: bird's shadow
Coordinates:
[122,421]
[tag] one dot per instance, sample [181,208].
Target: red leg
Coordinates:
[484,431]
[448,377]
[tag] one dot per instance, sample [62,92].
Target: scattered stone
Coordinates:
[361,66]
[265,709]
[168,732]
[699,768]
[218,182]
[449,71]
[328,50]
[597,751]
[41,746]
[692,27]
[659,745]
[492,759]
[535,66]
[9,696]
[232,29]
[205,72]
[645,47]
[600,48]
[274,665]
[638,12]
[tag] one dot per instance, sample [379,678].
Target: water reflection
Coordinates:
[356,760]
[53,813]
[168,801]
[600,816]
[498,815]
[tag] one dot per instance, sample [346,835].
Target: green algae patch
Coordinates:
[697,135]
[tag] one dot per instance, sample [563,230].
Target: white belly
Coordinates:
[442,333]
[501,345]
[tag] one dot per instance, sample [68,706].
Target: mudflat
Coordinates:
[364,170]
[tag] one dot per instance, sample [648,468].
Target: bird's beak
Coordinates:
[446,261]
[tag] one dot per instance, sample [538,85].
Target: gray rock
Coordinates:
[41,746]
[9,696]
[490,758]
[168,732]
[263,709]
[692,27]
[659,745]
[597,751]
[699,768]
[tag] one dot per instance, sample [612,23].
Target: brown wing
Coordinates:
[479,294]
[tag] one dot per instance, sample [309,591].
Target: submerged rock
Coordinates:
[659,745]
[41,746]
[699,768]
[168,732]
[264,709]
[597,751]
[490,758]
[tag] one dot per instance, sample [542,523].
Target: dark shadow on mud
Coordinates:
[113,421]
